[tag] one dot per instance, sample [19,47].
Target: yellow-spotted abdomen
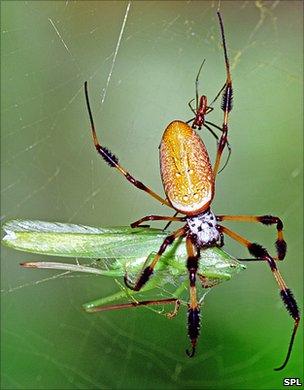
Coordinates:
[186,170]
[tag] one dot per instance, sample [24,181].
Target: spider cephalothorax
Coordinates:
[203,229]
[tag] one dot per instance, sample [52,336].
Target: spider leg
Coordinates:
[156,218]
[193,305]
[280,243]
[287,297]
[147,271]
[190,106]
[216,136]
[190,120]
[196,83]
[112,160]
[217,96]
[169,223]
[209,109]
[211,131]
[226,103]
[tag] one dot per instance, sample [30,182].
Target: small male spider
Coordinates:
[189,184]
[202,109]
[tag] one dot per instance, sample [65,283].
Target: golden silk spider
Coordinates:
[189,184]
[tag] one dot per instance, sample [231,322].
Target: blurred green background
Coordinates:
[50,171]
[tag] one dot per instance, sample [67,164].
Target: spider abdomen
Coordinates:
[186,170]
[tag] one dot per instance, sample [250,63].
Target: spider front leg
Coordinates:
[226,107]
[147,271]
[280,243]
[287,297]
[112,160]
[226,103]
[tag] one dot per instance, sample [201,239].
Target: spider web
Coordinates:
[140,60]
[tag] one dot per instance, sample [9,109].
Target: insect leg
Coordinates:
[287,297]
[280,243]
[127,305]
[145,274]
[193,305]
[112,160]
[156,218]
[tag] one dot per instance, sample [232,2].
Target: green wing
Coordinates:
[122,248]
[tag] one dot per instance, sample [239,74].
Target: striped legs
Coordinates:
[112,160]
[280,243]
[145,274]
[259,252]
[226,103]
[193,305]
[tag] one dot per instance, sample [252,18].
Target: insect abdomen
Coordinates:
[186,169]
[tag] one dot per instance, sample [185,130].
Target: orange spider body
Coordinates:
[186,170]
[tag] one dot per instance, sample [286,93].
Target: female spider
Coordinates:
[189,183]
